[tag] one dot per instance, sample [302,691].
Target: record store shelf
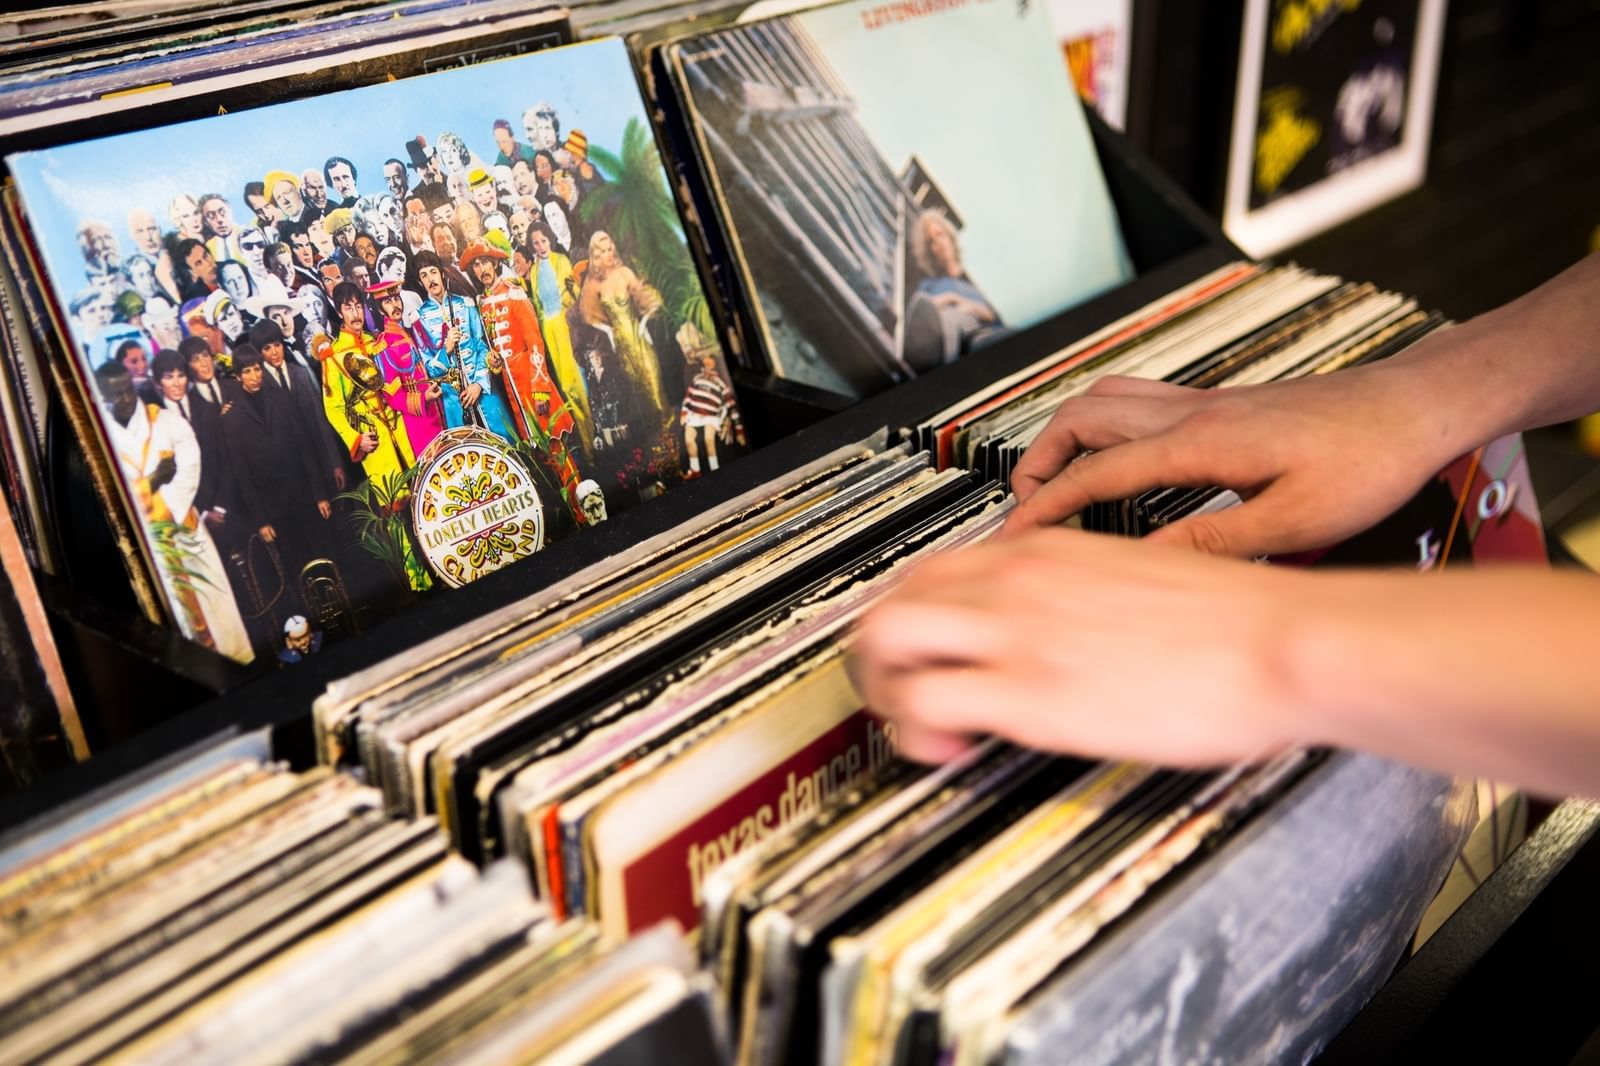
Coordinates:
[128,669]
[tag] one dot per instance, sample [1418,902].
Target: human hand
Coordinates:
[165,471]
[470,395]
[1316,460]
[338,478]
[453,337]
[434,394]
[366,444]
[325,509]
[1094,645]
[268,534]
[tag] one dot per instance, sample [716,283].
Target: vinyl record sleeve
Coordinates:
[572,817]
[1216,322]
[653,407]
[152,788]
[647,860]
[169,896]
[771,631]
[1223,361]
[45,319]
[914,1014]
[69,30]
[55,888]
[781,1012]
[107,960]
[502,987]
[846,183]
[357,41]
[1152,354]
[918,924]
[944,426]
[1342,329]
[40,719]
[610,979]
[159,41]
[120,1011]
[984,994]
[416,934]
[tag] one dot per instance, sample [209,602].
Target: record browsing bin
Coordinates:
[145,692]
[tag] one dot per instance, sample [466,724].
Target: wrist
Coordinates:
[1372,664]
[1331,657]
[1470,389]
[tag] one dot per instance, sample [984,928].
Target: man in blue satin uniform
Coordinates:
[449,333]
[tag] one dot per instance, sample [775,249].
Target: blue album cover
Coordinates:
[899,182]
[348,349]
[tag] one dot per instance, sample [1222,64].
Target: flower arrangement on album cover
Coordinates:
[343,349]
[897,184]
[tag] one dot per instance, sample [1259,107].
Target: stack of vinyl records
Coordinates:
[1242,324]
[666,744]
[673,736]
[205,912]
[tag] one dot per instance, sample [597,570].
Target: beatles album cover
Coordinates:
[347,349]
[900,183]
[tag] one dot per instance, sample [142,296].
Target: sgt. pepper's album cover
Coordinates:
[901,183]
[344,350]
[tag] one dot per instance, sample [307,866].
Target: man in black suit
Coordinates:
[304,394]
[283,488]
[204,381]
[215,496]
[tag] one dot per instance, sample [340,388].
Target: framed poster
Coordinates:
[1332,114]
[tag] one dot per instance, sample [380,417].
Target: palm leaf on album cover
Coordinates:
[635,206]
[378,514]
[175,545]
[533,450]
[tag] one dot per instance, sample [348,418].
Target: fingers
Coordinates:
[938,709]
[1114,474]
[1095,421]
[920,744]
[911,631]
[1264,525]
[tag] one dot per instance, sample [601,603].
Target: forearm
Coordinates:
[1490,672]
[1533,362]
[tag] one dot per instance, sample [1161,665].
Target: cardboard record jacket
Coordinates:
[312,478]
